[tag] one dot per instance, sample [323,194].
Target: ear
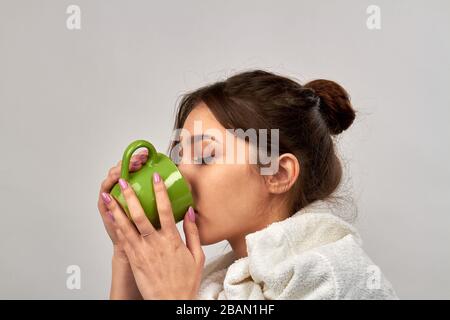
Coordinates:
[285,177]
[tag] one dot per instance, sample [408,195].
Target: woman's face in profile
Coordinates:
[229,195]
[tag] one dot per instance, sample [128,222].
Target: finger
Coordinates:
[110,180]
[106,186]
[136,211]
[163,204]
[108,221]
[113,177]
[193,238]
[135,161]
[123,241]
[121,219]
[139,157]
[143,154]
[138,160]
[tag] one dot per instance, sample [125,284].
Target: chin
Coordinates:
[207,239]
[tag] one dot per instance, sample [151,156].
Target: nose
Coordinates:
[185,175]
[188,175]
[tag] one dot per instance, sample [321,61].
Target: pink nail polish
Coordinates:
[109,214]
[156,177]
[123,184]
[106,198]
[191,214]
[134,166]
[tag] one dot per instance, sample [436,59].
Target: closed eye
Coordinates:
[207,160]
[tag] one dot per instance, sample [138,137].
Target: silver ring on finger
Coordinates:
[146,234]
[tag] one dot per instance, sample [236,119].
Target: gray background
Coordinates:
[70,101]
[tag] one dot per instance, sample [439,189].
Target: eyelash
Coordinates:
[203,161]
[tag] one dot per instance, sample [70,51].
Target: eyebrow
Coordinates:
[198,137]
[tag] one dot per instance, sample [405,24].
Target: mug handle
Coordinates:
[124,173]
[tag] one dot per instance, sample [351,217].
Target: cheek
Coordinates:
[228,197]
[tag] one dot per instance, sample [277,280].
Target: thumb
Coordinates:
[192,237]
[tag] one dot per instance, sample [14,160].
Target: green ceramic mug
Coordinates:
[142,183]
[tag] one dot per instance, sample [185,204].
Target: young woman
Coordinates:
[285,243]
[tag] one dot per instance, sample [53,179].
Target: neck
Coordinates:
[238,244]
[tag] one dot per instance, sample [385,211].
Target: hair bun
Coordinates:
[335,105]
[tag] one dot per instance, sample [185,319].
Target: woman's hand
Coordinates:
[107,184]
[163,266]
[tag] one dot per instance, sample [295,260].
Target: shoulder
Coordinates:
[355,275]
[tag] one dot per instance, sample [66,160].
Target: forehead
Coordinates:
[202,118]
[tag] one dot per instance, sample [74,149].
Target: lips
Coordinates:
[197,212]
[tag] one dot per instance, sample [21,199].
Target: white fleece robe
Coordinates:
[310,255]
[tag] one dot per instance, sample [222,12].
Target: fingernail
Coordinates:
[134,165]
[123,184]
[156,177]
[191,214]
[110,215]
[106,198]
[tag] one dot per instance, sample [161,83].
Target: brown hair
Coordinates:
[307,117]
